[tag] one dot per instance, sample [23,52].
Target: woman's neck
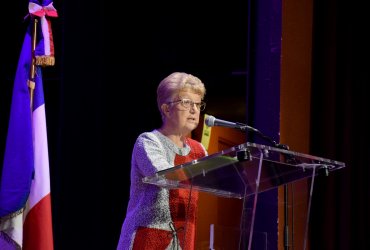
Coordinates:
[177,138]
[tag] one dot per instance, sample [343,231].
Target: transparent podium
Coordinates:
[243,172]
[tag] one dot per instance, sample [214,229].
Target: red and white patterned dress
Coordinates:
[159,218]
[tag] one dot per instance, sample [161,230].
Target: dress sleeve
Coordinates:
[150,155]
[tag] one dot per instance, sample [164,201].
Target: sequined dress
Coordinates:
[159,218]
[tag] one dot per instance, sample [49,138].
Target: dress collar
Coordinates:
[169,143]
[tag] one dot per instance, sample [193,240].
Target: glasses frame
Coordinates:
[187,103]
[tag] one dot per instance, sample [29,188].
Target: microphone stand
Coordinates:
[244,127]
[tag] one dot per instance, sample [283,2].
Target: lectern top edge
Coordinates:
[231,153]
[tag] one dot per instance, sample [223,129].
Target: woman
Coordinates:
[159,218]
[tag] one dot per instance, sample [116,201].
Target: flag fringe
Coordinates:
[11,216]
[9,240]
[45,60]
[4,235]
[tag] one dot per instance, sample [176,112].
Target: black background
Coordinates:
[101,94]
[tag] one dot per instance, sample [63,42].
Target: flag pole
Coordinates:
[31,81]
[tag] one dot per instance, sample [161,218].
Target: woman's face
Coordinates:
[183,112]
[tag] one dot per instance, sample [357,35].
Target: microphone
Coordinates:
[213,121]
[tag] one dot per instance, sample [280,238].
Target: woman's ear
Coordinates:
[165,109]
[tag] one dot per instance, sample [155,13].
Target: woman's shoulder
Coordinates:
[148,135]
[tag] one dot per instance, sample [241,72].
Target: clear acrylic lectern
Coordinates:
[243,172]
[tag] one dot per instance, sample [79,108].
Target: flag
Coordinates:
[25,201]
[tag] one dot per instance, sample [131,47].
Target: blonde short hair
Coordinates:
[175,83]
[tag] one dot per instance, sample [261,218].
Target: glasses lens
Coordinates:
[186,103]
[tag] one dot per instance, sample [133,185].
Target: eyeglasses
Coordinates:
[187,103]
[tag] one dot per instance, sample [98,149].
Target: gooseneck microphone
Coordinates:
[213,121]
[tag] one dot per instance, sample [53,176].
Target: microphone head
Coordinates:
[210,121]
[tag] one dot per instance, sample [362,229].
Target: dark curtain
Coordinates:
[340,125]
